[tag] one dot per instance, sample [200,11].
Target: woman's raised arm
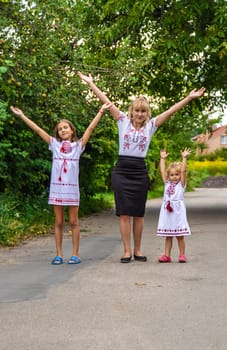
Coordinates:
[114,111]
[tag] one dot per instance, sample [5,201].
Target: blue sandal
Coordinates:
[57,260]
[74,260]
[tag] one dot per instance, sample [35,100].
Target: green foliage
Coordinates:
[215,167]
[40,79]
[195,177]
[158,47]
[200,170]
[22,218]
[96,203]
[220,154]
[97,161]
[163,52]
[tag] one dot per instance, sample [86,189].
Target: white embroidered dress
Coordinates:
[172,217]
[64,183]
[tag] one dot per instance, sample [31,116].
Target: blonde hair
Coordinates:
[72,127]
[142,103]
[174,165]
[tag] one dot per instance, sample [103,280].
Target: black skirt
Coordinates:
[130,184]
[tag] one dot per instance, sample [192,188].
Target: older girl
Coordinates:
[64,184]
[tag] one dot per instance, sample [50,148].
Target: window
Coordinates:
[224,140]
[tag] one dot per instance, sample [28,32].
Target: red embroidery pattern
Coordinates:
[175,231]
[135,137]
[66,147]
[63,169]
[171,189]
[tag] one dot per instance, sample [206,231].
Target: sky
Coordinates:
[224,119]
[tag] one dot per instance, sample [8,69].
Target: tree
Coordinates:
[39,49]
[159,48]
[162,49]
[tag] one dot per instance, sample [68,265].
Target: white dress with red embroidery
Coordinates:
[64,183]
[172,218]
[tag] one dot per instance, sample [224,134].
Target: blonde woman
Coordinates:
[130,175]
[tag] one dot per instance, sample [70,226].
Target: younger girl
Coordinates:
[64,185]
[172,219]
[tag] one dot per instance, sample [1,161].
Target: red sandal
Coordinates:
[164,259]
[182,259]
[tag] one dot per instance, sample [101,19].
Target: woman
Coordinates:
[130,175]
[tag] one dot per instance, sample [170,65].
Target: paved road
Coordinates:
[104,305]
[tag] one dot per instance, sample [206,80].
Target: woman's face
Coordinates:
[64,131]
[139,115]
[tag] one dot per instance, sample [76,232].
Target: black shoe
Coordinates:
[126,259]
[140,258]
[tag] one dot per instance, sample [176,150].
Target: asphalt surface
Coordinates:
[102,304]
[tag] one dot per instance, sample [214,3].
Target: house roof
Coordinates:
[221,130]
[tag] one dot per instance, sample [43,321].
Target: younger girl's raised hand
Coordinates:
[185,152]
[163,154]
[86,78]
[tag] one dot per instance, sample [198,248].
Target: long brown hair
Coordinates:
[72,127]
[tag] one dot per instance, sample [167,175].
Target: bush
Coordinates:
[23,218]
[214,168]
[220,154]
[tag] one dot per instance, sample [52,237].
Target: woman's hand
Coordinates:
[17,111]
[87,78]
[197,93]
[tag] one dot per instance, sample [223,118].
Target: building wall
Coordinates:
[213,142]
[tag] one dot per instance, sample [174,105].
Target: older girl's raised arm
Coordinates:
[43,134]
[94,123]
